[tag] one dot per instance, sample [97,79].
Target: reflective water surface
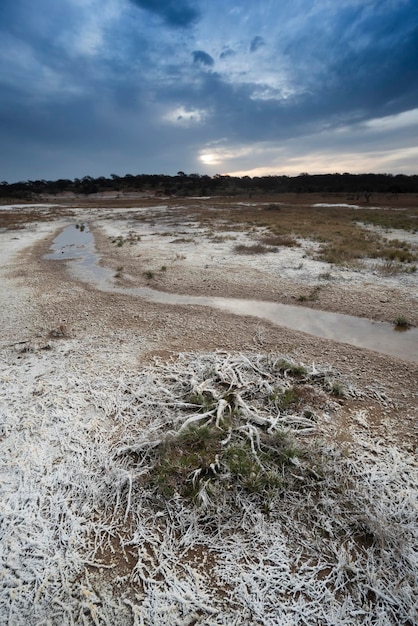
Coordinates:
[78,245]
[73,242]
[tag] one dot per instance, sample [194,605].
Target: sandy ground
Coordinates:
[163,249]
[66,346]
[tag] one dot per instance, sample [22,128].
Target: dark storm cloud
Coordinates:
[203,58]
[357,50]
[256,43]
[97,84]
[178,13]
[227,53]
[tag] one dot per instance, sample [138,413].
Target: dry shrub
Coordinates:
[389,268]
[14,220]
[257,248]
[280,240]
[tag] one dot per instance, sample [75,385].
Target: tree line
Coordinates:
[359,186]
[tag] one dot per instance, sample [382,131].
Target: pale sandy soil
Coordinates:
[69,351]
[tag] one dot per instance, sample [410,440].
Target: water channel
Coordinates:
[76,244]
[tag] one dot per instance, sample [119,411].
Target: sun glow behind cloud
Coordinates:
[282,86]
[322,162]
[359,148]
[220,154]
[209,158]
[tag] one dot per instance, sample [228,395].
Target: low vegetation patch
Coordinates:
[363,245]
[199,462]
[312,296]
[326,276]
[183,240]
[257,248]
[201,491]
[280,241]
[131,238]
[401,323]
[343,239]
[237,435]
[15,220]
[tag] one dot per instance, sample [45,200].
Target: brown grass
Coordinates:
[257,248]
[18,218]
[343,239]
[285,216]
[279,241]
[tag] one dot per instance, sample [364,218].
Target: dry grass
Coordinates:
[343,240]
[183,240]
[18,218]
[391,268]
[257,248]
[312,296]
[286,217]
[280,241]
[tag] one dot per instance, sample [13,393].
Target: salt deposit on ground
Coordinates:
[84,542]
[86,538]
[163,241]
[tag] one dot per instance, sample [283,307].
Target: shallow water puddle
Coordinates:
[77,243]
[74,244]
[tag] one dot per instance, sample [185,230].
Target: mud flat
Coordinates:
[302,509]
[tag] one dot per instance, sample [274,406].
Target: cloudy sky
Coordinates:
[248,87]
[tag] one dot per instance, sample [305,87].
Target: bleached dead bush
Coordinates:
[90,535]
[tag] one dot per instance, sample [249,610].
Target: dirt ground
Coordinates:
[166,246]
[54,324]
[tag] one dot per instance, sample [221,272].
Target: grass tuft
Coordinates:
[312,296]
[280,241]
[288,367]
[257,248]
[203,462]
[236,439]
[401,323]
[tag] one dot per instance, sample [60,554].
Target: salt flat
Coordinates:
[92,382]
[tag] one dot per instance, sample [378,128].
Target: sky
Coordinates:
[250,87]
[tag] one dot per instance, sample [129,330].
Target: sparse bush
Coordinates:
[237,437]
[280,241]
[59,332]
[257,248]
[197,463]
[289,367]
[326,276]
[182,240]
[222,238]
[283,399]
[336,388]
[310,297]
[389,268]
[401,322]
